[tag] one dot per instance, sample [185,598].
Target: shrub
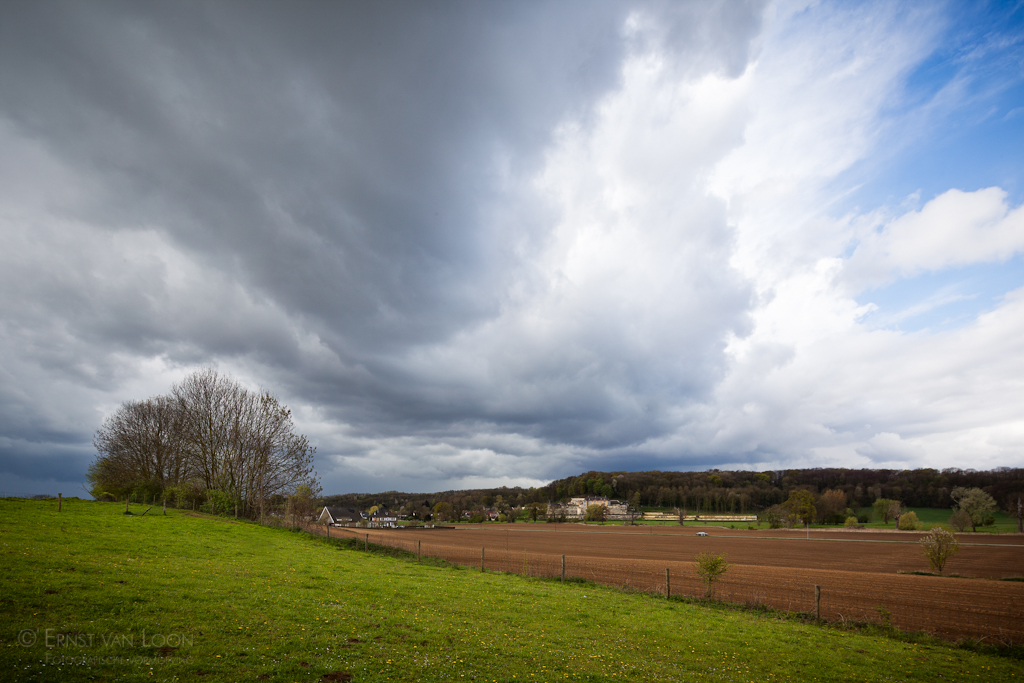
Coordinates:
[960,520]
[774,515]
[938,546]
[909,521]
[710,568]
[852,521]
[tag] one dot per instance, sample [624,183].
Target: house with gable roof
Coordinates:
[338,516]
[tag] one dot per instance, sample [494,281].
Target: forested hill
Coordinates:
[722,491]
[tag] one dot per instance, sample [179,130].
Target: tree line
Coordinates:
[210,443]
[834,490]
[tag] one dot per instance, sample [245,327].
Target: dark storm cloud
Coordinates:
[321,191]
[350,145]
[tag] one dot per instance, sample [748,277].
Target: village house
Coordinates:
[337,516]
[383,519]
[576,508]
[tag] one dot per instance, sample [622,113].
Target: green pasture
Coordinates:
[1004,523]
[931,516]
[90,594]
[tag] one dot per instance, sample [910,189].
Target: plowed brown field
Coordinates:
[858,571]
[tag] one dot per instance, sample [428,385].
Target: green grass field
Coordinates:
[1004,523]
[90,594]
[930,516]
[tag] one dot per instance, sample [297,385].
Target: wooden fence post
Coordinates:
[419,550]
[165,506]
[563,568]
[60,501]
[817,603]
[126,503]
[668,585]
[481,559]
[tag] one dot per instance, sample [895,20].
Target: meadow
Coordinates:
[92,594]
[928,517]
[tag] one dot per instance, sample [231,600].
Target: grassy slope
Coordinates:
[269,604]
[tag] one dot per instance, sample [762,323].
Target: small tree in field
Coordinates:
[800,505]
[710,568]
[775,516]
[884,508]
[938,546]
[595,513]
[831,507]
[959,520]
[975,502]
[895,510]
[442,511]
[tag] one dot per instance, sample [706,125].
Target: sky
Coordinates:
[494,244]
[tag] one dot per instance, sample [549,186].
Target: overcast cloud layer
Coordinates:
[498,243]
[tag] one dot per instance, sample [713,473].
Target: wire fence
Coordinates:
[989,611]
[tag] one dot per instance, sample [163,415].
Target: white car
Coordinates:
[702,533]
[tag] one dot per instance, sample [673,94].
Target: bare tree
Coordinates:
[139,446]
[211,433]
[895,510]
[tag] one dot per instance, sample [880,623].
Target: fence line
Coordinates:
[918,611]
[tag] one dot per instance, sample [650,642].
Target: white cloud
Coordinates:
[955,229]
[815,97]
[812,383]
[887,446]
